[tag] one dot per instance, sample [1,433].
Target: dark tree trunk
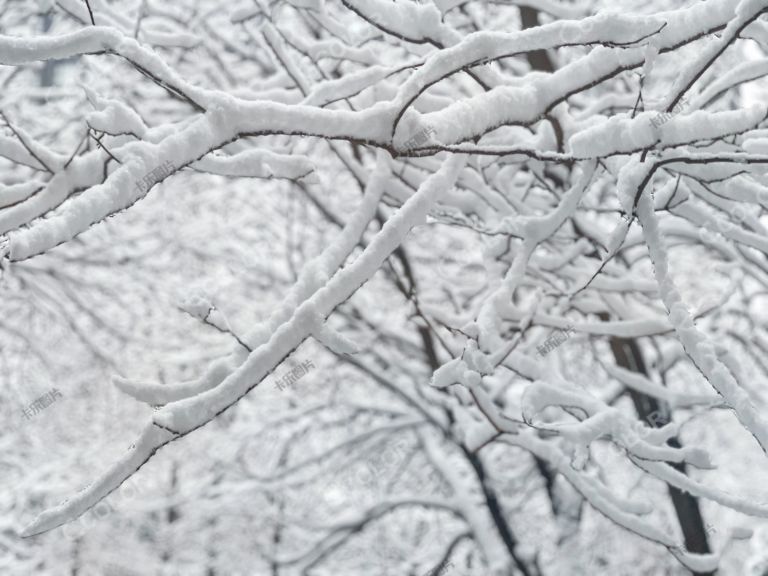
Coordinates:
[629,356]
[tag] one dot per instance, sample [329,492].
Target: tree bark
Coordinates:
[628,355]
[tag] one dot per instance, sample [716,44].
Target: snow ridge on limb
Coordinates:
[525,104]
[611,507]
[188,414]
[181,417]
[542,96]
[623,135]
[15,193]
[675,478]
[82,172]
[257,164]
[747,12]
[374,126]
[311,277]
[534,231]
[601,421]
[696,345]
[222,123]
[640,383]
[151,439]
[95,40]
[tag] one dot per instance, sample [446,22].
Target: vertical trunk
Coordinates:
[171,514]
[277,537]
[76,545]
[489,494]
[538,59]
[49,66]
[211,570]
[629,356]
[498,516]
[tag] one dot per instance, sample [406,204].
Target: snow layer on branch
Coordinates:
[604,421]
[333,49]
[526,104]
[244,12]
[696,345]
[537,229]
[640,383]
[687,75]
[223,121]
[83,172]
[632,178]
[691,486]
[747,8]
[170,39]
[121,189]
[541,394]
[756,146]
[157,394]
[412,21]
[334,340]
[742,73]
[312,276]
[41,154]
[621,135]
[150,440]
[17,193]
[12,149]
[257,164]
[715,222]
[114,117]
[481,47]
[17,51]
[600,498]
[449,373]
[197,306]
[92,40]
[186,415]
[324,93]
[702,125]
[556,8]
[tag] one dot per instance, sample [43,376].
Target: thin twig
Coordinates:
[90,12]
[92,134]
[23,143]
